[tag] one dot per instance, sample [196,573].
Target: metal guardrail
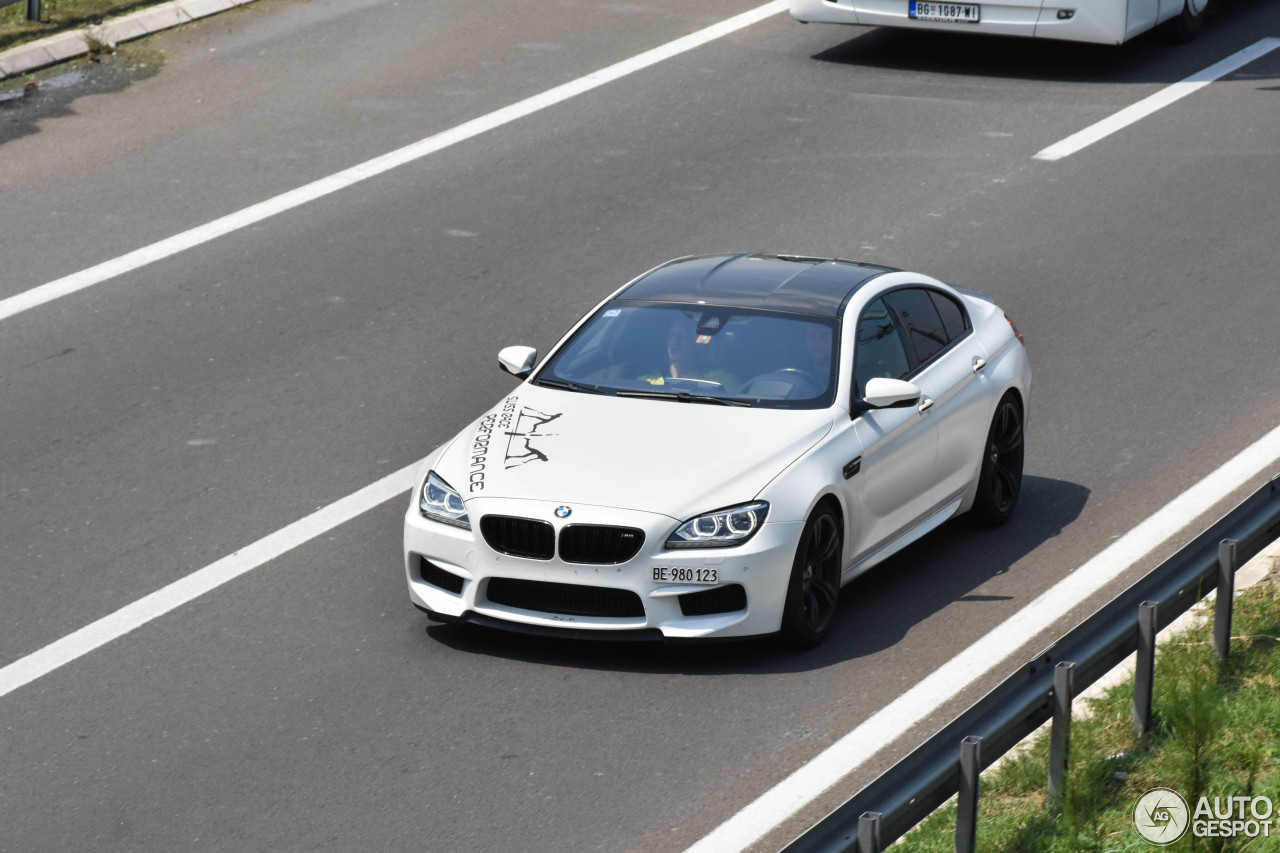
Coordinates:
[949,762]
[33,8]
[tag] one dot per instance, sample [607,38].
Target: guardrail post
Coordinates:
[967,801]
[869,832]
[1060,735]
[1144,671]
[1226,597]
[33,10]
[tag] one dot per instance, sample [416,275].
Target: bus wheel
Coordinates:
[1184,27]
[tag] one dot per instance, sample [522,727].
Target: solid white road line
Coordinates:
[1159,100]
[178,593]
[803,786]
[242,219]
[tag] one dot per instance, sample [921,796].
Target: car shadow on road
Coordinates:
[876,610]
[1149,58]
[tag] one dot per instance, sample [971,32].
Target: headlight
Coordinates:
[439,502]
[720,529]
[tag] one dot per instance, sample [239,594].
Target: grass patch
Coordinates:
[1217,734]
[60,15]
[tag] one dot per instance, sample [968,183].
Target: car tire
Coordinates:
[1000,480]
[1189,22]
[813,591]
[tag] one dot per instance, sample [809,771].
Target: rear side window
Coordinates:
[926,334]
[954,320]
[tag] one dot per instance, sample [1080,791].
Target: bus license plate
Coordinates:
[680,574]
[963,13]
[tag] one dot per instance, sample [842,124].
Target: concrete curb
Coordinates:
[73,43]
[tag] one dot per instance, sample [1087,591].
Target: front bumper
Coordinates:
[450,573]
[1096,21]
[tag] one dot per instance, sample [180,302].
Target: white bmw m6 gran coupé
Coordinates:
[717,448]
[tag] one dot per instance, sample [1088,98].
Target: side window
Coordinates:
[879,352]
[953,316]
[925,333]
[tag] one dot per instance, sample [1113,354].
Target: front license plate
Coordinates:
[680,574]
[962,13]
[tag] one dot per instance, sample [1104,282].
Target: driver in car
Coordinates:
[691,356]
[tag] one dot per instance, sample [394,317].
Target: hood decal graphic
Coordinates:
[521,425]
[520,449]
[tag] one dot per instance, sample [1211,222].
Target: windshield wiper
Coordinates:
[684,397]
[570,386]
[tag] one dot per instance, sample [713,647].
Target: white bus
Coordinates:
[1098,21]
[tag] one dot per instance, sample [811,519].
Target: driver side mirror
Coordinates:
[887,394]
[518,361]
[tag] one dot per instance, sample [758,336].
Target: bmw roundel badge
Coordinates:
[563,512]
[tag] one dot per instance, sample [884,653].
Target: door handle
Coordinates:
[978,363]
[926,404]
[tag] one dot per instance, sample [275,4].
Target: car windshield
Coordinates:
[700,353]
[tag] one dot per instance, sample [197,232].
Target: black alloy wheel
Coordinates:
[814,588]
[1000,480]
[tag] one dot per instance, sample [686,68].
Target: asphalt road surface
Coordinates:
[168,417]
